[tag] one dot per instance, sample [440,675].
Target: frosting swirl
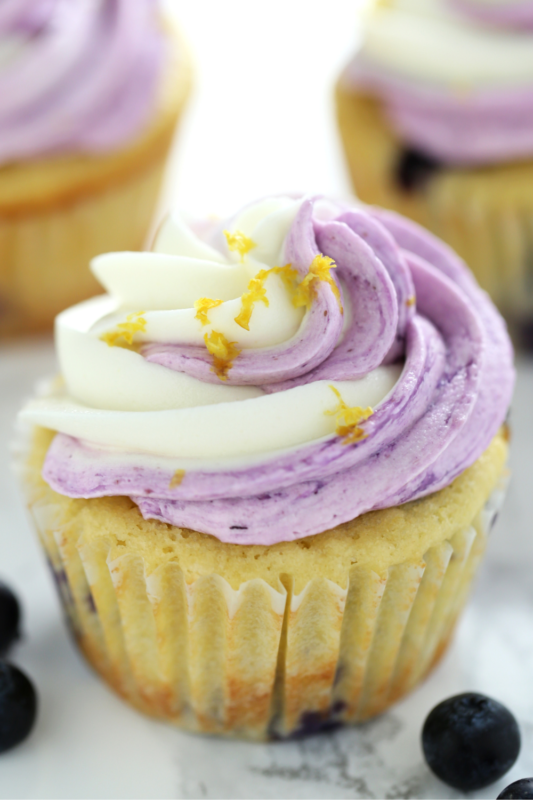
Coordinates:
[76,76]
[451,85]
[362,367]
[508,13]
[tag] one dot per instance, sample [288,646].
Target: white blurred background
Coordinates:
[261,118]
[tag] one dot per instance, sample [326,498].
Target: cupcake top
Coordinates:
[76,76]
[272,376]
[455,77]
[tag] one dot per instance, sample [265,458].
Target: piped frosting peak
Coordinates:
[368,371]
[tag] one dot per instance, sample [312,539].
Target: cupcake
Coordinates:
[436,117]
[265,477]
[90,94]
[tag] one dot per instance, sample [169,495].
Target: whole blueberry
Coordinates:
[519,790]
[18,706]
[470,741]
[9,618]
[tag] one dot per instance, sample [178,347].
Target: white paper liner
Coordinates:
[259,662]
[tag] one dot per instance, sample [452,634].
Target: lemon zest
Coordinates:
[202,306]
[255,293]
[122,335]
[239,243]
[223,352]
[289,276]
[320,269]
[176,478]
[301,292]
[347,419]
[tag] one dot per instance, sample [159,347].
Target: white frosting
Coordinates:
[112,378]
[117,399]
[225,430]
[427,40]
[165,287]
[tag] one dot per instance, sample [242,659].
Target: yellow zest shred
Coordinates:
[123,334]
[239,243]
[301,292]
[319,270]
[347,420]
[256,291]
[202,306]
[223,353]
[289,276]
[176,478]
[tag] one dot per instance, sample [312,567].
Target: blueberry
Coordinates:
[519,790]
[414,169]
[470,741]
[18,706]
[9,618]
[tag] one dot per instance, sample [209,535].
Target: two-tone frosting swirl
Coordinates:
[76,76]
[455,77]
[301,364]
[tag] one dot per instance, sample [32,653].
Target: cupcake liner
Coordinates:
[484,213]
[257,662]
[56,214]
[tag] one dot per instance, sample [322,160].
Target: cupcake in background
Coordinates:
[265,481]
[90,94]
[436,117]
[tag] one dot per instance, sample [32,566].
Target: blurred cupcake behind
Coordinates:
[90,93]
[436,116]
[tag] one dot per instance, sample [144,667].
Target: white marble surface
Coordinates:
[261,121]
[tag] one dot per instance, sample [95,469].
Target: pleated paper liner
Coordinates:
[485,214]
[258,661]
[58,213]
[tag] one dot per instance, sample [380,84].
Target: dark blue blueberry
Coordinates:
[470,741]
[313,722]
[414,169]
[18,706]
[9,618]
[310,724]
[519,790]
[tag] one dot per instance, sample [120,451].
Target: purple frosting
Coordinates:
[450,400]
[474,127]
[85,79]
[518,15]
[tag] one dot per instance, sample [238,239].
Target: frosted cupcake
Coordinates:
[265,480]
[90,93]
[436,117]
